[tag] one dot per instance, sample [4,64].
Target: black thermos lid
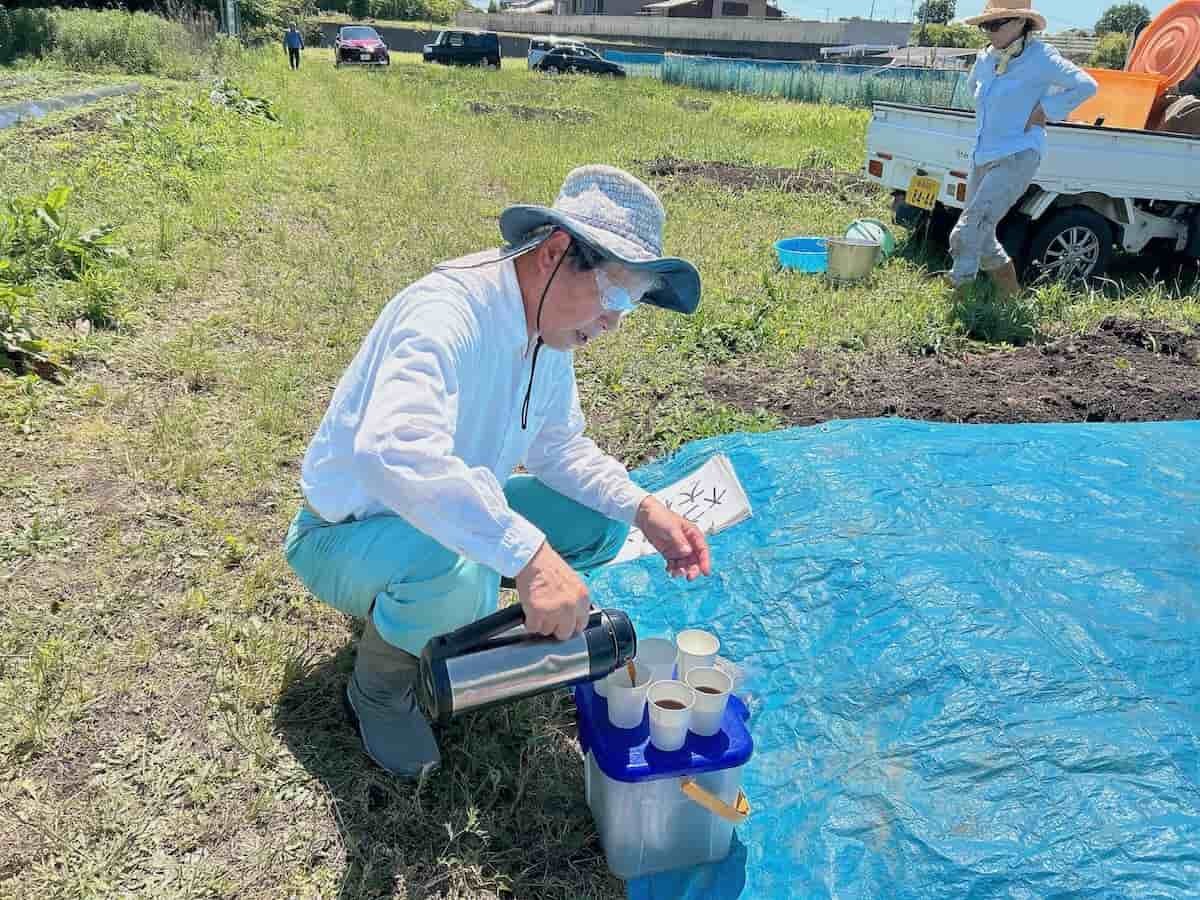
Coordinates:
[611,641]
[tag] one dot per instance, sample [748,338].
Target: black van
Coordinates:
[464,48]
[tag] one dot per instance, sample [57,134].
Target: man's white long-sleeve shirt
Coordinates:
[426,423]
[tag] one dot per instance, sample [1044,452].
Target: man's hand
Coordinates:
[554,598]
[680,542]
[1037,118]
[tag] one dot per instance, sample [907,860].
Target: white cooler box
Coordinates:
[657,811]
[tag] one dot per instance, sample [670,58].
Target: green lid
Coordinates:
[874,231]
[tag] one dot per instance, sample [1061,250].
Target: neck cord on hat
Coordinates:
[538,347]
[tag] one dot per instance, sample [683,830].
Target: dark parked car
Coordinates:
[360,45]
[464,48]
[539,47]
[578,59]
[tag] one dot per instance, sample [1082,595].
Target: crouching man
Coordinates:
[412,513]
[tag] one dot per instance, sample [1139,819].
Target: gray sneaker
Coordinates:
[382,698]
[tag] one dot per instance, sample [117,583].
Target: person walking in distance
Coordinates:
[294,41]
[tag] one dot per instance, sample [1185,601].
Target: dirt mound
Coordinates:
[744,178]
[1157,337]
[532,113]
[96,120]
[1123,371]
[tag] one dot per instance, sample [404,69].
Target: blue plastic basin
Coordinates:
[804,254]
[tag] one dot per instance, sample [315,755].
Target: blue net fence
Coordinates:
[640,65]
[819,82]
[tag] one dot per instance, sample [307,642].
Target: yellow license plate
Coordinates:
[923,192]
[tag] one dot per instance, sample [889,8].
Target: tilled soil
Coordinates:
[744,178]
[96,120]
[1123,371]
[532,113]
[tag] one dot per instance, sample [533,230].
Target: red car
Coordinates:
[360,45]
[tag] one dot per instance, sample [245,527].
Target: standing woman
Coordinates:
[1020,84]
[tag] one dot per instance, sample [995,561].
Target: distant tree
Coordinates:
[1110,53]
[936,12]
[360,9]
[1124,18]
[492,7]
[950,36]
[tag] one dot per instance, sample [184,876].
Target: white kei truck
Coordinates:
[1098,189]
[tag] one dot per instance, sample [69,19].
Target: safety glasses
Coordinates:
[614,297]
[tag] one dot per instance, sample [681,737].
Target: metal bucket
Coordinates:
[851,260]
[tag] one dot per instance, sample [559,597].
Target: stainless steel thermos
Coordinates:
[496,660]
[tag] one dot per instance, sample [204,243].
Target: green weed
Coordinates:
[686,422]
[99,298]
[135,43]
[21,351]
[39,240]
[985,317]
[21,397]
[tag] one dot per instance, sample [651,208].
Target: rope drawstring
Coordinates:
[538,347]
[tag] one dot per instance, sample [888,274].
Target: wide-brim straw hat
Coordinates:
[621,220]
[1009,9]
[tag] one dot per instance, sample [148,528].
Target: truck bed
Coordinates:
[1080,158]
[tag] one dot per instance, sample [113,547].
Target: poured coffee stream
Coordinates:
[669,704]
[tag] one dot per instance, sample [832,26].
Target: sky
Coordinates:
[1061,14]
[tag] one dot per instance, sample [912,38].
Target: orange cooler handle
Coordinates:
[737,813]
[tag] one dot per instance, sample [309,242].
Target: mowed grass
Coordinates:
[170,714]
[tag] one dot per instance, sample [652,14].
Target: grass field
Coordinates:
[170,722]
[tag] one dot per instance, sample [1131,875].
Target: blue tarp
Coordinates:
[972,657]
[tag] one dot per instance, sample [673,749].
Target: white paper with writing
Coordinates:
[711,497]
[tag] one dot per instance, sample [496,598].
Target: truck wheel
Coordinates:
[1075,245]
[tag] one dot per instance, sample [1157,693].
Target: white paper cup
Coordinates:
[697,649]
[669,727]
[600,686]
[626,702]
[710,707]
[733,670]
[658,655]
